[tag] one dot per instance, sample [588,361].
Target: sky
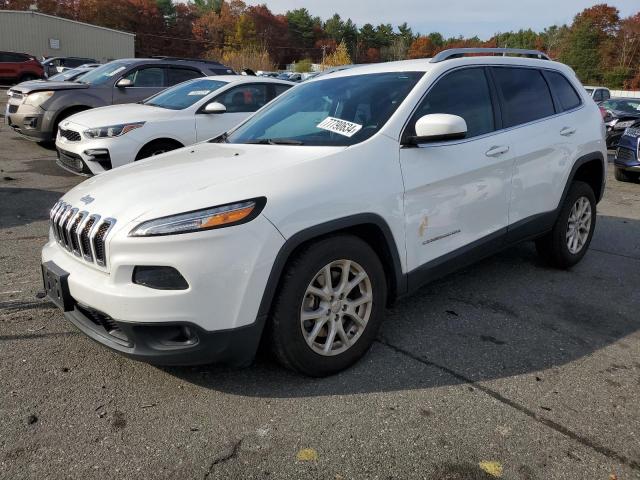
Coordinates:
[452,17]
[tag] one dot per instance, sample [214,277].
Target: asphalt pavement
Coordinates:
[506,369]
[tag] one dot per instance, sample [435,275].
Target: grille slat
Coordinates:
[81,233]
[70,135]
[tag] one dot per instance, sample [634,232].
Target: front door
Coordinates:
[457,191]
[147,81]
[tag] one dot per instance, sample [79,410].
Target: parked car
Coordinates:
[599,94]
[73,74]
[35,109]
[620,114]
[341,195]
[19,67]
[55,65]
[100,139]
[627,159]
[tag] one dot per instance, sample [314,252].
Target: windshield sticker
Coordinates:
[117,70]
[199,93]
[341,127]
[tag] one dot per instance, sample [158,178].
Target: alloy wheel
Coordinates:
[579,225]
[336,307]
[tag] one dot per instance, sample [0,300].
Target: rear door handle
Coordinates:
[567,131]
[496,151]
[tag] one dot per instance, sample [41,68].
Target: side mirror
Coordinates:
[124,83]
[215,107]
[437,127]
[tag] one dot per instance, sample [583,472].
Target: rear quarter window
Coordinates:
[525,95]
[562,89]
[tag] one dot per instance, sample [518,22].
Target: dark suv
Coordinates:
[19,67]
[35,109]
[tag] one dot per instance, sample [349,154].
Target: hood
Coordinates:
[117,114]
[39,85]
[190,178]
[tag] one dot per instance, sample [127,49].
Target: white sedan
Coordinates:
[100,139]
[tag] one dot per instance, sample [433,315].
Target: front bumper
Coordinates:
[226,270]
[159,345]
[33,123]
[113,152]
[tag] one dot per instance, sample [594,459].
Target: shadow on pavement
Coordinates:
[507,315]
[22,206]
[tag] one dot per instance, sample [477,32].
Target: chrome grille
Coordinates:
[80,232]
[70,135]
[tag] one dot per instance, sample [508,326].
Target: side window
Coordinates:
[147,77]
[245,98]
[525,95]
[281,88]
[606,95]
[179,75]
[464,93]
[563,90]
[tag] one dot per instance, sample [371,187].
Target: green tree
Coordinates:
[208,5]
[301,27]
[581,52]
[334,28]
[303,65]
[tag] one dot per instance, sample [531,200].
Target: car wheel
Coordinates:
[156,148]
[570,237]
[623,176]
[329,306]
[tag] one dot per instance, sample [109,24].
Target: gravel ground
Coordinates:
[506,369]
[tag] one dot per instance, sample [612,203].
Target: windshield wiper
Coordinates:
[274,141]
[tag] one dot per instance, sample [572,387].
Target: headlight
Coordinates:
[625,124]
[38,98]
[112,131]
[205,219]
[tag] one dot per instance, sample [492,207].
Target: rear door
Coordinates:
[240,101]
[542,140]
[457,191]
[147,80]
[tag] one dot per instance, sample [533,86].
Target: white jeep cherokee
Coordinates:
[340,196]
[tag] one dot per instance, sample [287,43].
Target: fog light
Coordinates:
[161,278]
[97,152]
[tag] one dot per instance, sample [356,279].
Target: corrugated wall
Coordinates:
[32,33]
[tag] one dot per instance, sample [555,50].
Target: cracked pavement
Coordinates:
[505,369]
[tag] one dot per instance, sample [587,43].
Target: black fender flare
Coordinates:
[589,157]
[326,228]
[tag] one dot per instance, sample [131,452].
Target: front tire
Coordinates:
[329,307]
[156,147]
[571,235]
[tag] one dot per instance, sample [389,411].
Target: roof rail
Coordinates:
[182,59]
[459,52]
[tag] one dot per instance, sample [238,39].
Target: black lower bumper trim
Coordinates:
[147,342]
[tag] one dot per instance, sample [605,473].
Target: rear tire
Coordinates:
[319,329]
[156,148]
[624,176]
[571,235]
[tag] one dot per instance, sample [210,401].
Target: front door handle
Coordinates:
[497,150]
[567,131]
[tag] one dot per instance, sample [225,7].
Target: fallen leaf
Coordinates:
[493,468]
[307,455]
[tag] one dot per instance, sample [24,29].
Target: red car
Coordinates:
[19,67]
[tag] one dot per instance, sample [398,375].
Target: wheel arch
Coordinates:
[590,169]
[67,112]
[369,227]
[176,142]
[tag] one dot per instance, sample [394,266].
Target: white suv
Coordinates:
[341,195]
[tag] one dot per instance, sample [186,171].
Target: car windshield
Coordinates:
[628,106]
[329,112]
[104,73]
[184,94]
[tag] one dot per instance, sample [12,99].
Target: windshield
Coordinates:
[329,112]
[104,72]
[627,106]
[184,94]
